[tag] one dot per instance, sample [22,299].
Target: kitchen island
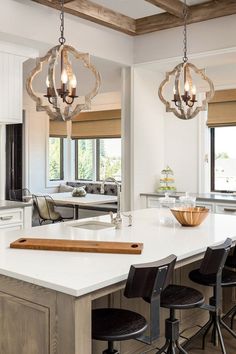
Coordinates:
[47,297]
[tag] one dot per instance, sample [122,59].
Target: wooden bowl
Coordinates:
[190,216]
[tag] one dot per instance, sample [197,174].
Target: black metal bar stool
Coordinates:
[231,263]
[144,281]
[211,273]
[177,297]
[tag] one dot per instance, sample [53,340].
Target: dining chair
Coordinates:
[45,207]
[20,195]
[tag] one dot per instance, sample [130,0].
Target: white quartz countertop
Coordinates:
[79,273]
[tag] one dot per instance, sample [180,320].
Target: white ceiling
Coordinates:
[137,8]
[194,2]
[132,8]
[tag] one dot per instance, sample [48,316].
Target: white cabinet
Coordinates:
[214,206]
[153,202]
[12,57]
[11,219]
[16,218]
[11,88]
[225,209]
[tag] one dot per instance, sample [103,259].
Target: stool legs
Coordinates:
[215,322]
[110,349]
[172,336]
[231,312]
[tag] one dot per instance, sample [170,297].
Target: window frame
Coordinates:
[212,164]
[62,159]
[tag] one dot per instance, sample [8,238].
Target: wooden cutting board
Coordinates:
[77,245]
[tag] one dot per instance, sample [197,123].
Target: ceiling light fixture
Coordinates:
[184,103]
[60,70]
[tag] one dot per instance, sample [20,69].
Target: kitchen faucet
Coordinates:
[117,220]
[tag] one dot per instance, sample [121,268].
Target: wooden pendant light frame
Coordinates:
[181,112]
[56,111]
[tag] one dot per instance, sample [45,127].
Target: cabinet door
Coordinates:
[11,88]
[24,326]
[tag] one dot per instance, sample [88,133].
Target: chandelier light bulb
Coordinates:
[73,82]
[186,86]
[64,76]
[47,82]
[174,90]
[194,90]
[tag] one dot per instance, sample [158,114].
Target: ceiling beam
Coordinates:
[93,12]
[173,7]
[197,13]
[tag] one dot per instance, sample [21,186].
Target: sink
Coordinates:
[94,225]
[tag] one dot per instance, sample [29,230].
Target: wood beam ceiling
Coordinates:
[173,7]
[91,11]
[197,13]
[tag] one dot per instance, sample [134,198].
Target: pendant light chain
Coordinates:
[62,27]
[185,15]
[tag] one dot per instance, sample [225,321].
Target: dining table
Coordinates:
[90,199]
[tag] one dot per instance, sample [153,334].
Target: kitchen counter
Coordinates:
[65,271]
[9,204]
[50,295]
[211,197]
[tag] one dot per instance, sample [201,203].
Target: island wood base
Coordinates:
[36,320]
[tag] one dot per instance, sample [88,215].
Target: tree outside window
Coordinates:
[97,159]
[223,159]
[56,158]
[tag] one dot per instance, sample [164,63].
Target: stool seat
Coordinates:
[111,324]
[231,262]
[228,278]
[181,297]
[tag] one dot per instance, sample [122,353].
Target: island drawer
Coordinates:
[11,216]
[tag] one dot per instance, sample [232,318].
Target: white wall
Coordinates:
[205,36]
[33,24]
[148,133]
[181,151]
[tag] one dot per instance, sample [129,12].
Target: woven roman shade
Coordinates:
[57,129]
[99,124]
[222,109]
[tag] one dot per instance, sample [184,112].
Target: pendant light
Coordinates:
[184,103]
[63,100]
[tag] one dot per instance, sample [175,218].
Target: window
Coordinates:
[56,158]
[223,159]
[97,159]
[110,158]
